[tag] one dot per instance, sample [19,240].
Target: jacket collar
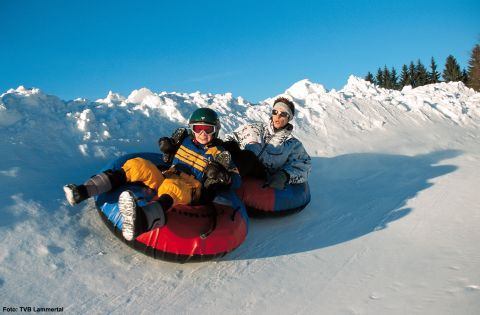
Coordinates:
[285,131]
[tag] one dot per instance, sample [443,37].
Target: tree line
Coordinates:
[416,74]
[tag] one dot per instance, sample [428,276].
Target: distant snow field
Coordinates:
[392,228]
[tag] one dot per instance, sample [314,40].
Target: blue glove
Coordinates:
[277,181]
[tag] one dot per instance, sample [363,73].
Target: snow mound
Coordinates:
[303,88]
[392,226]
[360,87]
[117,124]
[111,99]
[361,106]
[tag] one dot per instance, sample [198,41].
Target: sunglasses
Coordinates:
[208,129]
[282,114]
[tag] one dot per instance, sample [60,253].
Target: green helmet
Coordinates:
[206,116]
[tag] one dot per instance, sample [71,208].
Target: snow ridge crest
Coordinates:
[117,122]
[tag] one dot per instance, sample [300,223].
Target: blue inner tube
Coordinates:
[192,232]
[265,202]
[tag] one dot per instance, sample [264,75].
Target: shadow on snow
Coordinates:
[352,195]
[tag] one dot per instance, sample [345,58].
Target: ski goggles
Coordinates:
[208,129]
[281,114]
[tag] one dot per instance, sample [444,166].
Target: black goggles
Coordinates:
[281,114]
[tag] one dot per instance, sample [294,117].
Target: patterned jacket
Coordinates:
[277,150]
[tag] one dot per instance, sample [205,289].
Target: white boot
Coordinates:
[128,208]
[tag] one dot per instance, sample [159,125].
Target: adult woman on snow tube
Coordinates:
[178,206]
[273,164]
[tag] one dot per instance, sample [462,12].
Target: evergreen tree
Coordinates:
[474,69]
[370,77]
[394,78]
[387,80]
[452,70]
[379,78]
[412,75]
[421,74]
[433,76]
[404,77]
[465,76]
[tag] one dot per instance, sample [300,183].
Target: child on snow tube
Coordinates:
[200,167]
[269,156]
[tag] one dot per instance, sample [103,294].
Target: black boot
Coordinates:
[94,186]
[154,212]
[75,194]
[105,181]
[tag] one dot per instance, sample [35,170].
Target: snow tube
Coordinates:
[273,202]
[192,233]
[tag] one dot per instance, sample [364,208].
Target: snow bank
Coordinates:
[392,227]
[115,124]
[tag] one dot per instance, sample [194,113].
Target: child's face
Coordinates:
[203,132]
[203,137]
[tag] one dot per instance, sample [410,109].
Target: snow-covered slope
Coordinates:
[392,227]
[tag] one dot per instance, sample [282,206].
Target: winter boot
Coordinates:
[136,219]
[75,194]
[154,215]
[128,209]
[154,212]
[99,184]
[94,186]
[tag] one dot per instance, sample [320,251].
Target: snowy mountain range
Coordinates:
[392,227]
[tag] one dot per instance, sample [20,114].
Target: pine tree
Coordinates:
[370,77]
[421,74]
[379,78]
[404,77]
[394,78]
[465,76]
[412,75]
[474,69]
[433,76]
[387,80]
[452,70]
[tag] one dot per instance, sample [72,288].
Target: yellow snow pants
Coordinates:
[183,188]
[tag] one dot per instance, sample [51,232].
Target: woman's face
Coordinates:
[280,119]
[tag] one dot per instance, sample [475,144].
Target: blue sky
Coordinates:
[254,49]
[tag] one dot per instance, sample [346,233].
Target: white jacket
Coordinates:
[278,150]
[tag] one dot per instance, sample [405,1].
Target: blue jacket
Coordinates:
[192,158]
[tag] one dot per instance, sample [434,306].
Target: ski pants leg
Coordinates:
[181,187]
[144,171]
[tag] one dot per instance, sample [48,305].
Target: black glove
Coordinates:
[277,181]
[169,146]
[216,175]
[166,145]
[231,146]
